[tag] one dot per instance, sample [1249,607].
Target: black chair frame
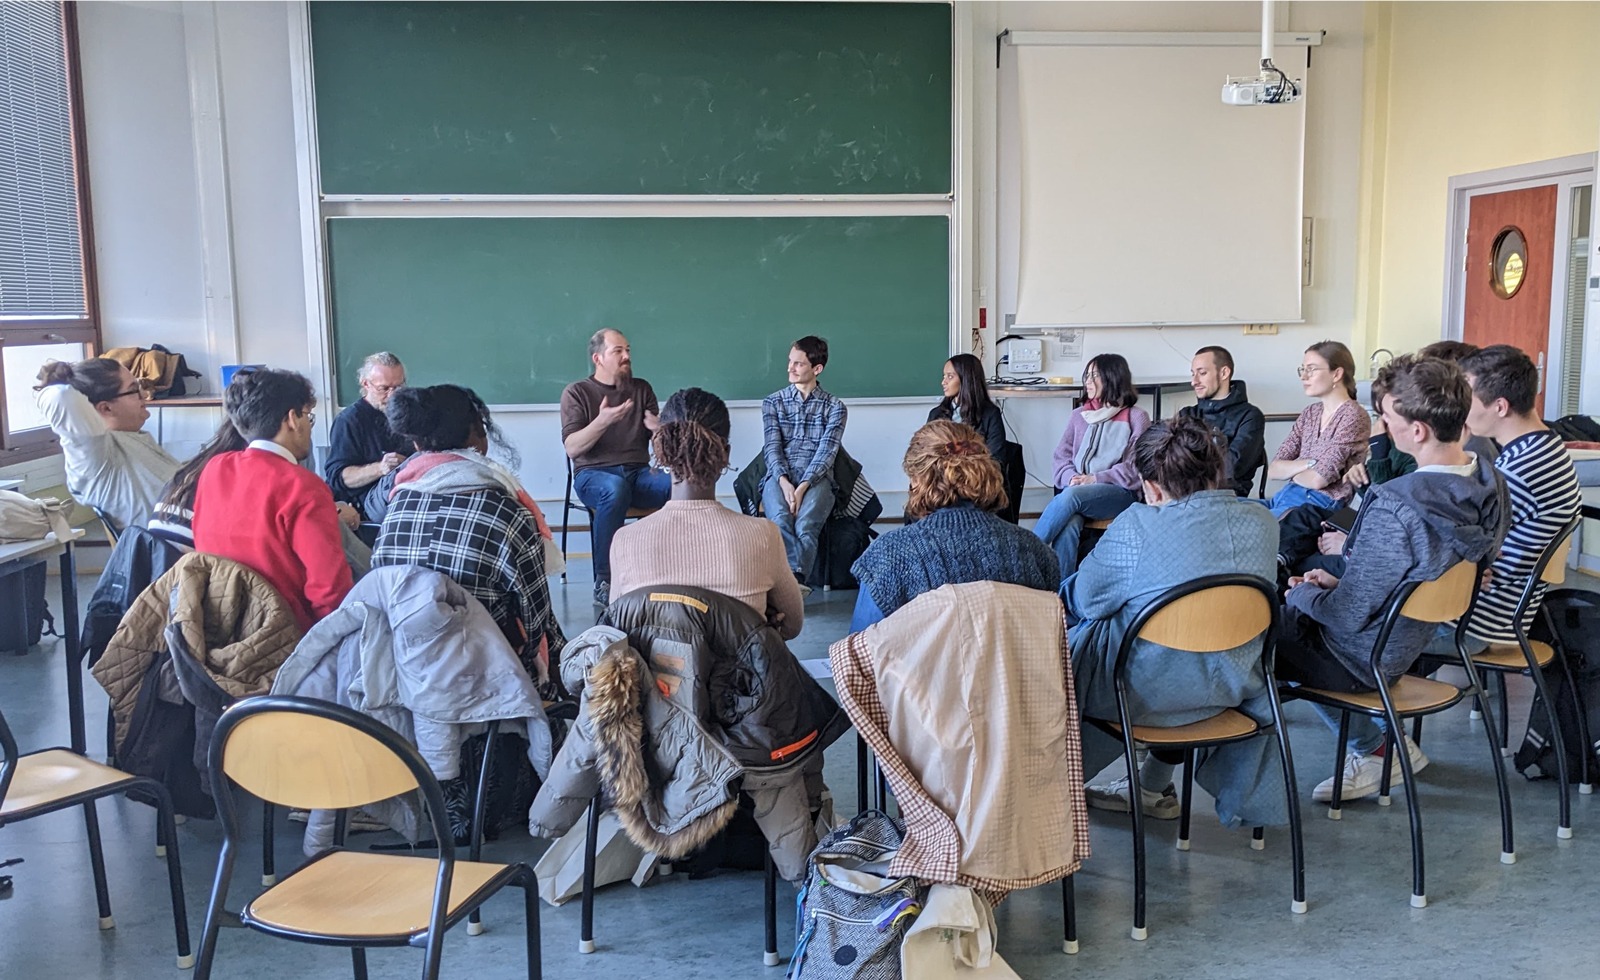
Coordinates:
[166,833]
[1392,725]
[1123,730]
[440,920]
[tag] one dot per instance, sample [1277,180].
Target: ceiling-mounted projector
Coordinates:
[1268,87]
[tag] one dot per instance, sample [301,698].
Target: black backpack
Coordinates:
[841,542]
[22,597]
[1574,615]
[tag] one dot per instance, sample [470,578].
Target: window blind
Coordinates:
[41,253]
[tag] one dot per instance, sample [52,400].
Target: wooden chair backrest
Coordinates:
[311,763]
[1555,570]
[1444,599]
[1209,621]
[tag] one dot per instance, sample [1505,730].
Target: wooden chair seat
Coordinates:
[1097,525]
[47,777]
[1508,656]
[1224,727]
[357,894]
[634,512]
[1410,694]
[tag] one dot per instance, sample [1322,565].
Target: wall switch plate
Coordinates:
[1261,330]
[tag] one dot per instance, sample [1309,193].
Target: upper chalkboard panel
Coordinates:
[632,98]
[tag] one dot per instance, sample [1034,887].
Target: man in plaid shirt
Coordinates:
[803,426]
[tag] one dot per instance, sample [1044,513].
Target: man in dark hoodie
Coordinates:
[1413,528]
[1224,405]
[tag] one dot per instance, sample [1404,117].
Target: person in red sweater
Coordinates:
[261,508]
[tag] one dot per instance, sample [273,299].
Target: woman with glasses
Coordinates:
[1328,438]
[1094,460]
[96,408]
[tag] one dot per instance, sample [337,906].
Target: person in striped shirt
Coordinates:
[1539,477]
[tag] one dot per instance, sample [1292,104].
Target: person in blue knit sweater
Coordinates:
[956,538]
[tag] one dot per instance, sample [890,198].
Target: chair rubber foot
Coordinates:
[1506,753]
[1140,933]
[1070,947]
[180,820]
[1474,715]
[1508,857]
[107,922]
[664,869]
[269,880]
[1258,844]
[770,959]
[586,945]
[186,962]
[1385,800]
[161,850]
[474,928]
[1183,843]
[1586,789]
[1563,833]
[1419,901]
[1298,908]
[1334,813]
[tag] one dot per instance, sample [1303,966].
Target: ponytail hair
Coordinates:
[1339,358]
[180,491]
[947,463]
[691,442]
[1182,456]
[99,378]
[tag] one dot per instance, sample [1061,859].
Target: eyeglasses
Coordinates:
[137,389]
[386,389]
[311,418]
[1307,370]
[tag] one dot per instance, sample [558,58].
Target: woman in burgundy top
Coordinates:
[1327,439]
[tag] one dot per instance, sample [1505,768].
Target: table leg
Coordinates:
[74,653]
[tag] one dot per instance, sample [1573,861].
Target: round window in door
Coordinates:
[1508,262]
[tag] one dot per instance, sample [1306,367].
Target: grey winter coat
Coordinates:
[1413,528]
[414,650]
[686,697]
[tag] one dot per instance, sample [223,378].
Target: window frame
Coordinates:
[38,443]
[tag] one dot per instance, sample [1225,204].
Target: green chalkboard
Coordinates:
[632,98]
[506,305]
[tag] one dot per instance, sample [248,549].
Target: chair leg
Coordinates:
[1505,713]
[566,518]
[1508,849]
[1419,893]
[1258,838]
[479,803]
[770,913]
[881,787]
[269,817]
[1292,793]
[586,933]
[530,902]
[1385,782]
[862,764]
[1416,730]
[1135,792]
[1563,776]
[1586,778]
[215,910]
[358,962]
[1069,917]
[167,822]
[97,864]
[1136,811]
[1334,813]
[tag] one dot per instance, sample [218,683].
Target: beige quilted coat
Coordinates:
[233,619]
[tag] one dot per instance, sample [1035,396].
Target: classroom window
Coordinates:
[47,296]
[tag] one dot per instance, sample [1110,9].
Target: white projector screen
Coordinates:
[1140,198]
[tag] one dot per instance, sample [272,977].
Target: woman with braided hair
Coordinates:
[695,540]
[956,537]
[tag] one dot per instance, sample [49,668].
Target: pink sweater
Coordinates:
[704,544]
[1333,451]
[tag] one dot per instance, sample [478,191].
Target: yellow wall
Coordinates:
[1455,88]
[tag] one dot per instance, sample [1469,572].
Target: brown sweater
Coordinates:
[627,441]
[704,544]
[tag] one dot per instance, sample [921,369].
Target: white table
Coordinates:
[20,555]
[10,484]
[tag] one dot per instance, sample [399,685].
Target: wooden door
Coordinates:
[1521,318]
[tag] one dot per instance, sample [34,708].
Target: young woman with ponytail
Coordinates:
[1190,525]
[695,540]
[956,537]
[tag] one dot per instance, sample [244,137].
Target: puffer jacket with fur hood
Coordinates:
[687,697]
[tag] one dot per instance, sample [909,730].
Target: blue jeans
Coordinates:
[1061,524]
[799,531]
[1293,495]
[608,492]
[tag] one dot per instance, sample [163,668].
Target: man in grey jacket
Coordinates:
[1413,528]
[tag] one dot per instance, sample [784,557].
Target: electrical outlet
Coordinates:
[1261,330]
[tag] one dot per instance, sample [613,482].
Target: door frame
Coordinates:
[1563,172]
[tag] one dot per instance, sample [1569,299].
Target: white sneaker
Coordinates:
[1114,797]
[1363,774]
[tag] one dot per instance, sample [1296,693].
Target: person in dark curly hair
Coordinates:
[695,540]
[1191,524]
